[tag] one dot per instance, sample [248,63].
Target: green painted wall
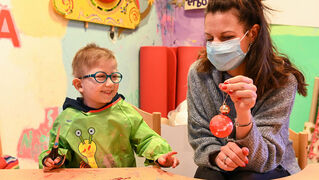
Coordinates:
[301,44]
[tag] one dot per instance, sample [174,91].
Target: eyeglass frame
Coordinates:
[107,76]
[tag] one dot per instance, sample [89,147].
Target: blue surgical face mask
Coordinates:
[225,55]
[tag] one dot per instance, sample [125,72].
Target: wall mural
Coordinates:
[124,14]
[33,141]
[179,27]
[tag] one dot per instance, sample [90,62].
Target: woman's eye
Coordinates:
[227,38]
[209,39]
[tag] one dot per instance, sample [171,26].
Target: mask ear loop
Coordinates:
[244,35]
[249,43]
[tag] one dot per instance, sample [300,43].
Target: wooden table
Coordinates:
[147,173]
[311,172]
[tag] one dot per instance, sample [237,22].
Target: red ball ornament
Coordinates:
[106,1]
[221,126]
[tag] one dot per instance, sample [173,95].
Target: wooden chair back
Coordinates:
[300,143]
[153,120]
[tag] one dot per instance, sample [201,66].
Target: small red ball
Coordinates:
[221,126]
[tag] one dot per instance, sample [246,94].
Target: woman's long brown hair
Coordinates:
[264,64]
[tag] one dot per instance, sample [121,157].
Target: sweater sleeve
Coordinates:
[200,138]
[267,141]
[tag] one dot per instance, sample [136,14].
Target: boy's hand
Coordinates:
[49,164]
[168,160]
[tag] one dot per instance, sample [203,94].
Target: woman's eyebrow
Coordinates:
[226,32]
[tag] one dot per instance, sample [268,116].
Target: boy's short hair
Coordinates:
[89,56]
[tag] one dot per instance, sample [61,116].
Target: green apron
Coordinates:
[105,138]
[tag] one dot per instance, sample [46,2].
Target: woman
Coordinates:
[241,61]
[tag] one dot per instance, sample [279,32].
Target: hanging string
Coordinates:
[224,103]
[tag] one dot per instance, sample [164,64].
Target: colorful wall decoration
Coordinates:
[33,141]
[179,27]
[119,13]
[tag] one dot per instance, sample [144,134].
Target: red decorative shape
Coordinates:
[221,126]
[106,1]
[5,16]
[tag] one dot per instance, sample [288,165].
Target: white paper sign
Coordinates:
[195,4]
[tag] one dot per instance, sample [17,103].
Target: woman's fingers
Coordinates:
[238,79]
[241,90]
[229,88]
[235,154]
[223,163]
[231,156]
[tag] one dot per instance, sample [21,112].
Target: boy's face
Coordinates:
[96,95]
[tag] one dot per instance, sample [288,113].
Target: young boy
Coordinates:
[101,129]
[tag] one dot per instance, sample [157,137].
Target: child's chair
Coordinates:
[300,143]
[152,120]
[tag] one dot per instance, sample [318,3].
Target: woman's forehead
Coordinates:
[221,22]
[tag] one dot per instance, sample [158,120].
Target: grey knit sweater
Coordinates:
[267,141]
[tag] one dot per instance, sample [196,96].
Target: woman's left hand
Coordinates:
[242,92]
[232,156]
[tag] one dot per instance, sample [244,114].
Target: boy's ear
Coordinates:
[77,84]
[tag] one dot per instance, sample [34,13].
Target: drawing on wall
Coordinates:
[179,3]
[179,27]
[124,14]
[33,141]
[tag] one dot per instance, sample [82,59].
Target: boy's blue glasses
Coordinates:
[101,77]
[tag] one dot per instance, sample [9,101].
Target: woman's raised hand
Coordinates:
[242,91]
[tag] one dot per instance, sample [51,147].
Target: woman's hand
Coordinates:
[168,160]
[231,156]
[242,92]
